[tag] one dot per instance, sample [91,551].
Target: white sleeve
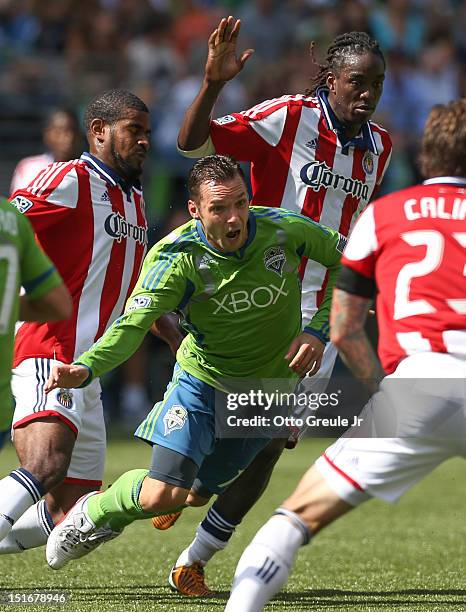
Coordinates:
[206,149]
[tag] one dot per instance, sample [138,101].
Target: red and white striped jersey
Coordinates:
[94,229]
[298,162]
[413,244]
[27,169]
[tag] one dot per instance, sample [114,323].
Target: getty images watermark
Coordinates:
[273,408]
[402,407]
[300,407]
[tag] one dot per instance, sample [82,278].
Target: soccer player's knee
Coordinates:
[158,496]
[50,470]
[44,448]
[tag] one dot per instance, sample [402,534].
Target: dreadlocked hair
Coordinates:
[344,45]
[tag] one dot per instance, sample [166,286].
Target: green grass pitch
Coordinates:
[410,556]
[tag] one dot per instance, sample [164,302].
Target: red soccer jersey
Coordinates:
[413,244]
[95,232]
[299,163]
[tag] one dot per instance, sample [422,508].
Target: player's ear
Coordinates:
[97,129]
[331,77]
[193,209]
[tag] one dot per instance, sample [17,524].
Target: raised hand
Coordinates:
[66,376]
[222,62]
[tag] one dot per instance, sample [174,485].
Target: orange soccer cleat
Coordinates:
[189,580]
[165,521]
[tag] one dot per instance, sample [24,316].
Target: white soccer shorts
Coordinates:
[416,421]
[80,409]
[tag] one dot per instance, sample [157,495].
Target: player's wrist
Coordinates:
[212,86]
[317,334]
[87,381]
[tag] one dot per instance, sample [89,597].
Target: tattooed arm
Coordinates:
[347,319]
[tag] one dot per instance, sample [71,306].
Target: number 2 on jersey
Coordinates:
[435,244]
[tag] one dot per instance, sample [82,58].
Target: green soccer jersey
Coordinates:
[22,262]
[241,310]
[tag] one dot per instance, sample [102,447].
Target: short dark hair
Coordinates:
[213,168]
[340,49]
[444,142]
[111,106]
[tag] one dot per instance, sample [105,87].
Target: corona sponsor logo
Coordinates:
[118,227]
[318,174]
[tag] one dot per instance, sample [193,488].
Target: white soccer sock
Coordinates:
[30,531]
[265,565]
[202,548]
[18,491]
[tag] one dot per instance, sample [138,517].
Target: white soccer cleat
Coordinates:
[76,536]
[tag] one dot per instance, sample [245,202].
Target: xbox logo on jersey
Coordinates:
[259,297]
[118,227]
[318,174]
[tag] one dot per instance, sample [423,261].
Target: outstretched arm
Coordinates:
[119,342]
[222,65]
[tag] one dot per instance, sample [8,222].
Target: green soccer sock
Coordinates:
[119,504]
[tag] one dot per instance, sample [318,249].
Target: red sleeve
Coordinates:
[40,213]
[249,135]
[50,197]
[236,137]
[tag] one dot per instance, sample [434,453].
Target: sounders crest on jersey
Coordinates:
[275,259]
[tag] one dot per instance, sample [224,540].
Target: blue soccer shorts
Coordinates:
[184,422]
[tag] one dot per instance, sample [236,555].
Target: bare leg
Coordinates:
[62,497]
[315,503]
[44,449]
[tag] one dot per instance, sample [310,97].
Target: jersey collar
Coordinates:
[459,181]
[364,140]
[108,174]
[238,254]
